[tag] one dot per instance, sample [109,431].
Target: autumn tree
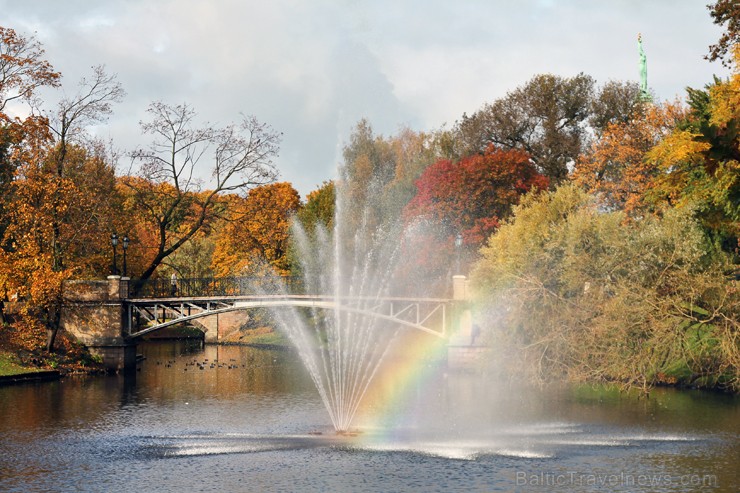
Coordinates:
[80,218]
[699,161]
[60,184]
[23,69]
[378,173]
[615,166]
[473,195]
[368,167]
[545,118]
[194,260]
[170,196]
[314,218]
[258,231]
[585,295]
[551,117]
[319,208]
[91,105]
[614,103]
[413,152]
[469,197]
[25,264]
[725,13]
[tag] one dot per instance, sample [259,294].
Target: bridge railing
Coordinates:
[213,287]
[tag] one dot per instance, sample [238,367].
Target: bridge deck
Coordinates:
[185,299]
[417,313]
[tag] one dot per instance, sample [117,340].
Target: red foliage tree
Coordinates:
[474,194]
[469,197]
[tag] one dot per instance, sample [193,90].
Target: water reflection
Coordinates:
[250,420]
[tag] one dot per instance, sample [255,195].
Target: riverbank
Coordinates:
[263,336]
[23,355]
[258,337]
[10,367]
[12,371]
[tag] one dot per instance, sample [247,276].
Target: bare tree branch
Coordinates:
[240,157]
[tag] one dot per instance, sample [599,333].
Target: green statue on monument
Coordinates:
[644,94]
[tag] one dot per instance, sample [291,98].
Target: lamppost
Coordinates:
[125,247]
[114,242]
[458,246]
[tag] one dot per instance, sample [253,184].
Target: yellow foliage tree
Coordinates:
[55,191]
[699,162]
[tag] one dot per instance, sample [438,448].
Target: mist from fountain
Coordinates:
[353,265]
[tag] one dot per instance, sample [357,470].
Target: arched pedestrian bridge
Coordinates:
[111,316]
[430,315]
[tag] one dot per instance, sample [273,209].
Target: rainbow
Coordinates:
[414,363]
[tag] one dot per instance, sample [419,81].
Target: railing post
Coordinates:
[128,321]
[125,287]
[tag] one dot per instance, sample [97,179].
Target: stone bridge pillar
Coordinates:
[92,313]
[464,350]
[463,331]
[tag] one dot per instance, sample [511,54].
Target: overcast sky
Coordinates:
[313,68]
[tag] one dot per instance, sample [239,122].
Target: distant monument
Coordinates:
[644,94]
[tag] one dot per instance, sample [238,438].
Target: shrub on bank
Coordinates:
[588,295]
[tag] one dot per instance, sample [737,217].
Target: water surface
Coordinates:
[251,420]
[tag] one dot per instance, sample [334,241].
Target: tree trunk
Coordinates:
[54,318]
[51,335]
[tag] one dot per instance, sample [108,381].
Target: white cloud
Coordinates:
[312,69]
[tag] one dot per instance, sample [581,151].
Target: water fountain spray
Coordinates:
[354,264]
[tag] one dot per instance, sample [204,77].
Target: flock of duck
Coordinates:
[202,365]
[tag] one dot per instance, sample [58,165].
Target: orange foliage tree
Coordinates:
[700,160]
[469,197]
[22,68]
[674,155]
[473,195]
[55,201]
[615,167]
[257,234]
[22,71]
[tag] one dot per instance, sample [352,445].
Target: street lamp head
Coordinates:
[114,239]
[458,240]
[125,242]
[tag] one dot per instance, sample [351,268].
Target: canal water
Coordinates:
[232,419]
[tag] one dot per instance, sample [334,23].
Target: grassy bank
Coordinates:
[11,366]
[22,350]
[258,336]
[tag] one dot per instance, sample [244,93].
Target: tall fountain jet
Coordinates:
[354,263]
